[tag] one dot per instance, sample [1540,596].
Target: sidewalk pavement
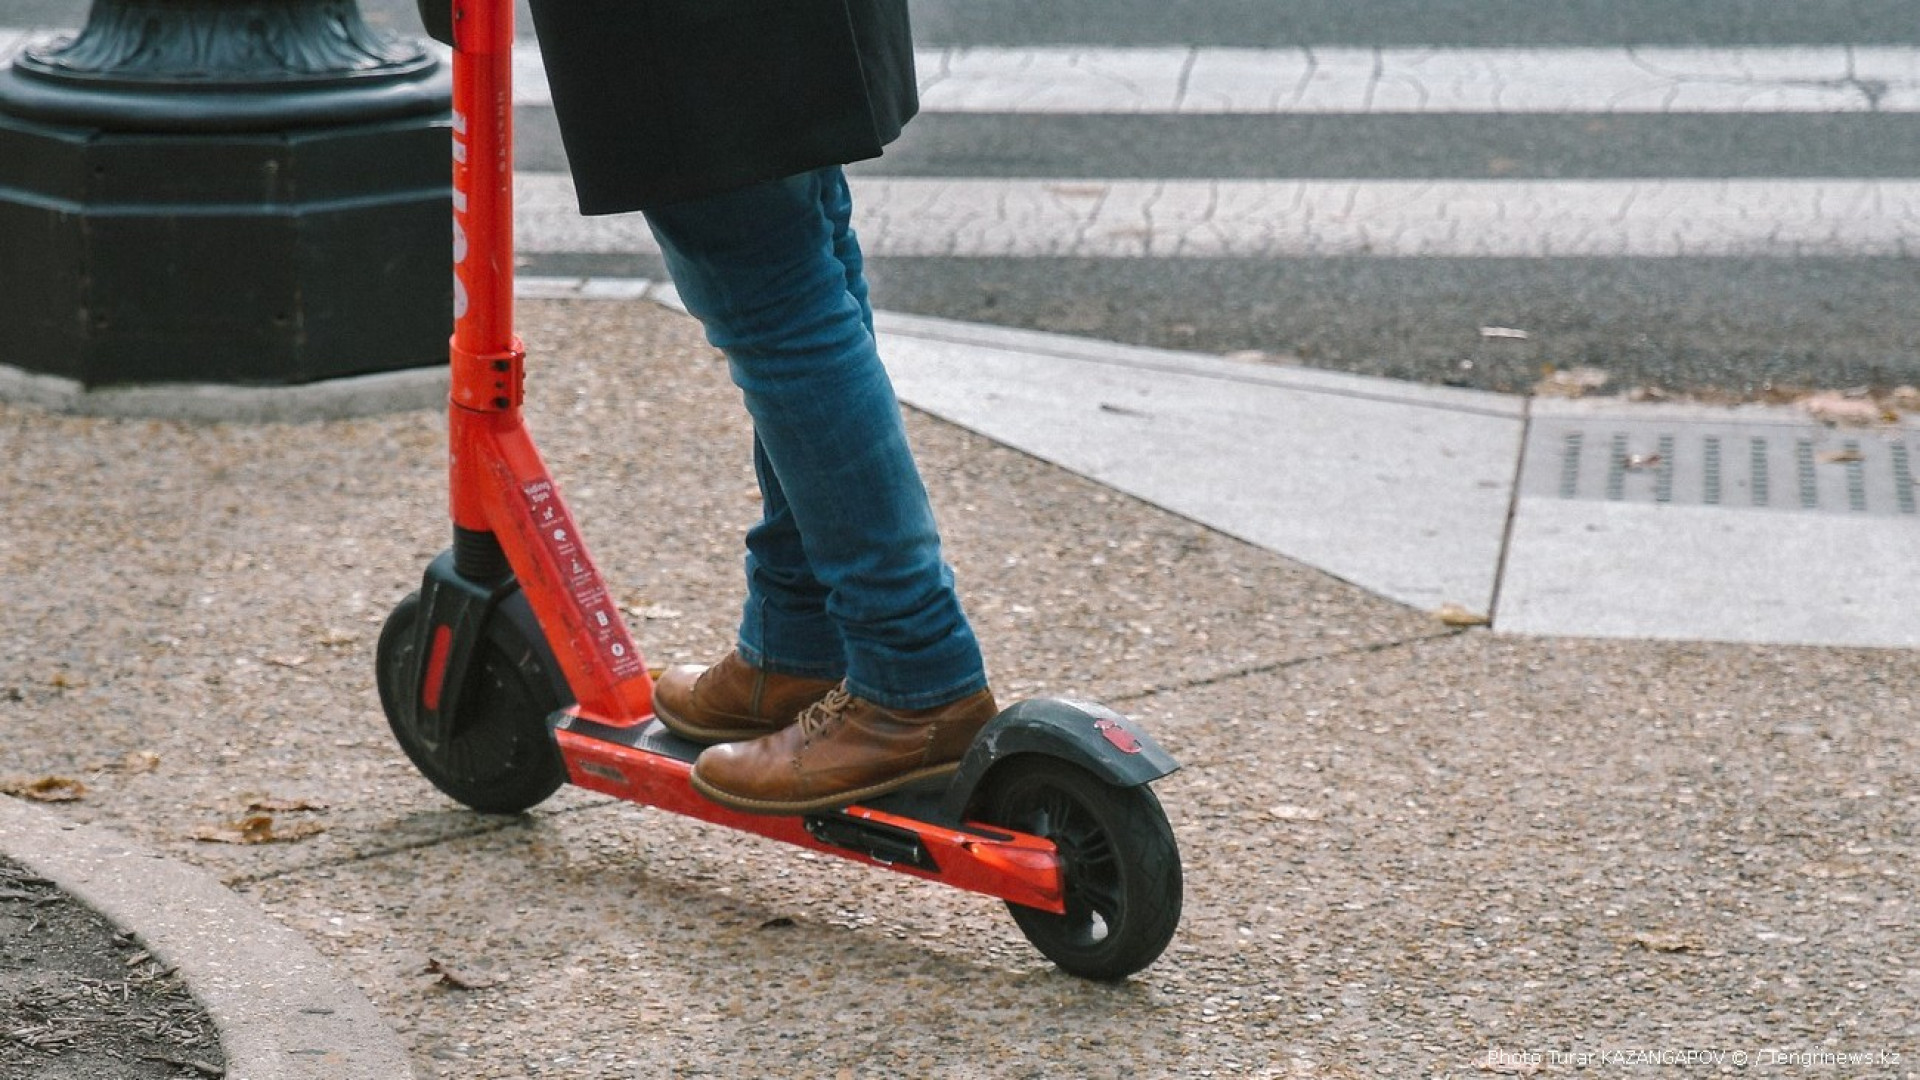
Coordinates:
[1661,810]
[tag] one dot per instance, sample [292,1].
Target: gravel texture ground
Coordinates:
[1410,850]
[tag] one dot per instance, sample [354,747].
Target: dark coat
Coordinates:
[665,100]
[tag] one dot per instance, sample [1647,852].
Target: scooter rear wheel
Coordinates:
[1121,866]
[500,758]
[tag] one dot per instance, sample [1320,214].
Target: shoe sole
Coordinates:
[704,736]
[830,802]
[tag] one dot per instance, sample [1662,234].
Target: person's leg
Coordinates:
[845,570]
[788,655]
[775,275]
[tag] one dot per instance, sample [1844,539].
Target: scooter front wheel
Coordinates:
[499,758]
[1120,865]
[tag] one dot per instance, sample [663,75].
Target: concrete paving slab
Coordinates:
[1415,511]
[1605,569]
[1401,860]
[1487,846]
[1045,343]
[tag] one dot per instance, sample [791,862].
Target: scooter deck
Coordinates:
[903,831]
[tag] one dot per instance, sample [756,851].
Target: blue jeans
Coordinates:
[845,577]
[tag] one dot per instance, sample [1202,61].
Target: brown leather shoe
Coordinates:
[841,751]
[731,700]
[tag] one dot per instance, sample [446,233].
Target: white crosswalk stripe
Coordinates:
[1293,219]
[1376,81]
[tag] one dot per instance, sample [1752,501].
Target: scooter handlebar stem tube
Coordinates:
[498,483]
[483,178]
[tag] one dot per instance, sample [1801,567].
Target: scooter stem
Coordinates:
[501,495]
[482,188]
[488,360]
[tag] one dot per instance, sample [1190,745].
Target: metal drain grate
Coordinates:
[1738,466]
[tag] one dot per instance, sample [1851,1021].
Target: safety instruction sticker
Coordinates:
[607,634]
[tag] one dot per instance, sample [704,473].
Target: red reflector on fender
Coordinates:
[1119,736]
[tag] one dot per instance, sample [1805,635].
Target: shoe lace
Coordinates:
[825,713]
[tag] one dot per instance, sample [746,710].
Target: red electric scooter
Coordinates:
[510,671]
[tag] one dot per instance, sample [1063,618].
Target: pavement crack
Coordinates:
[1247,671]
[1185,81]
[1513,508]
[1310,68]
[485,827]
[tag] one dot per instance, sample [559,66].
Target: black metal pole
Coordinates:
[231,191]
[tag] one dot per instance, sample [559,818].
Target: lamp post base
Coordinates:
[252,193]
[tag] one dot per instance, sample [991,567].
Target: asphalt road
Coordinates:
[1739,322]
[1254,23]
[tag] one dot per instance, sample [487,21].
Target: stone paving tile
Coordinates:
[1458,848]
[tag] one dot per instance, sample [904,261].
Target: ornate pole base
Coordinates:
[226,191]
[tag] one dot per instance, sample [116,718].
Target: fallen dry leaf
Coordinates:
[457,980]
[1840,457]
[132,763]
[655,611]
[284,805]
[46,789]
[258,829]
[1455,615]
[201,1067]
[1840,409]
[1661,941]
[1571,383]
